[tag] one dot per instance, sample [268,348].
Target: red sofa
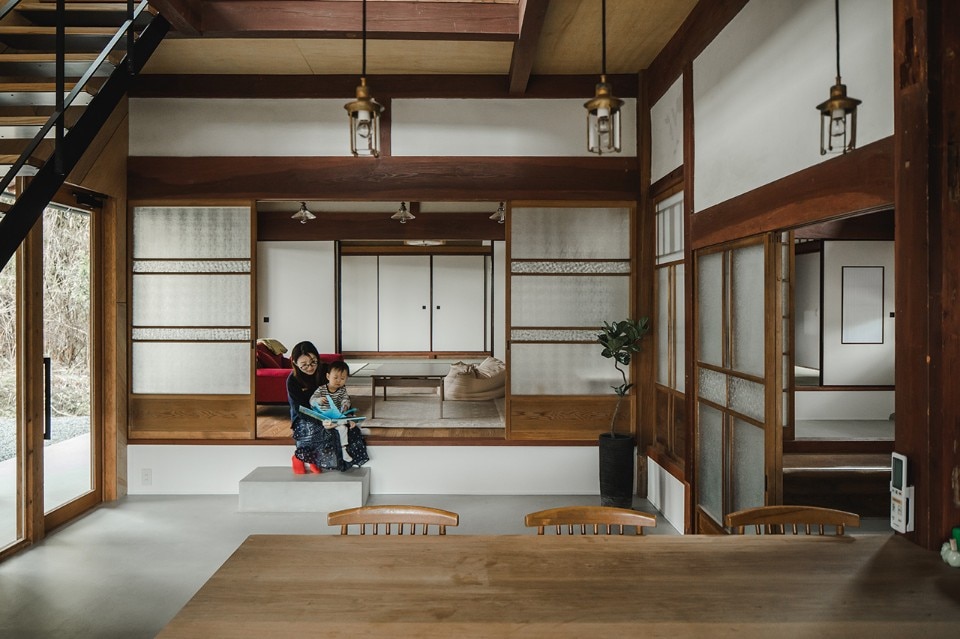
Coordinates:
[272,373]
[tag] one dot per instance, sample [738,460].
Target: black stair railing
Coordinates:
[69,146]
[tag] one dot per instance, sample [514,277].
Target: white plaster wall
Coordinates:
[806,298]
[756,87]
[187,127]
[666,132]
[423,127]
[856,364]
[666,493]
[499,127]
[296,289]
[843,404]
[450,470]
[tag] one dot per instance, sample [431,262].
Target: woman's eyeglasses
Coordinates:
[310,363]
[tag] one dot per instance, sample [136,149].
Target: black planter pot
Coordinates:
[616,470]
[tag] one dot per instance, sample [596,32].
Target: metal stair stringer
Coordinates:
[24,213]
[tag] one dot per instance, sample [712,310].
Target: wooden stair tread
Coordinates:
[52,31]
[46,57]
[23,120]
[38,87]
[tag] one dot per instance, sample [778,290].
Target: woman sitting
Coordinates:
[317,447]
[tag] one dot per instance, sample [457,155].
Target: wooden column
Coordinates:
[927,135]
[644,274]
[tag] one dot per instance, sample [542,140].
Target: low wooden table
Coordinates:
[409,374]
[650,586]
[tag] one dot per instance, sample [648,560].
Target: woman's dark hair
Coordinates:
[319,374]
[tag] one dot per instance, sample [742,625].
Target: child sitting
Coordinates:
[336,389]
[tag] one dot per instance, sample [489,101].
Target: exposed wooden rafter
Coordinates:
[532,15]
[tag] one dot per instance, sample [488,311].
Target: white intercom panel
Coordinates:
[901,495]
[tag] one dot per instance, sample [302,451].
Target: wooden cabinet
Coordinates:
[414,303]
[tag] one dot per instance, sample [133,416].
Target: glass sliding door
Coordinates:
[738,379]
[69,450]
[11,515]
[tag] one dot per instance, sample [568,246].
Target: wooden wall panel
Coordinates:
[569,417]
[190,417]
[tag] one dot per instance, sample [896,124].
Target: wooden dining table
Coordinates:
[458,586]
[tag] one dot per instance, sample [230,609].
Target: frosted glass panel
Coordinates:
[191,334]
[662,326]
[570,233]
[681,337]
[747,466]
[746,397]
[191,368]
[670,229]
[191,266]
[710,461]
[570,267]
[191,300]
[747,309]
[552,335]
[561,369]
[710,305]
[191,232]
[713,386]
[568,301]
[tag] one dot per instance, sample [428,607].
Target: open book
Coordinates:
[331,413]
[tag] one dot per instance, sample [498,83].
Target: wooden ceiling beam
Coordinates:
[336,19]
[387,178]
[532,15]
[182,15]
[388,86]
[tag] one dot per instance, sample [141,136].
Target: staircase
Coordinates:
[46,121]
[843,479]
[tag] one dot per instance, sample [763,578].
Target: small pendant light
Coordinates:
[364,111]
[603,111]
[501,215]
[838,115]
[303,214]
[403,214]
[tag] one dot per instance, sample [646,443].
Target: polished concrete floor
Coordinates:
[126,568]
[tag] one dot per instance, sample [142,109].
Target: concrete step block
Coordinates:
[277,489]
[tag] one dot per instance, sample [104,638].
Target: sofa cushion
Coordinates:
[476,382]
[267,358]
[275,346]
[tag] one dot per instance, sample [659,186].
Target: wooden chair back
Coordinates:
[775,520]
[598,517]
[394,519]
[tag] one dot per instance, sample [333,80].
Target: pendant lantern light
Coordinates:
[603,111]
[364,111]
[838,115]
[303,214]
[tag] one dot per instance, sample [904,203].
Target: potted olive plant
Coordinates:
[620,341]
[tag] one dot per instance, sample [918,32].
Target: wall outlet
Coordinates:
[146,476]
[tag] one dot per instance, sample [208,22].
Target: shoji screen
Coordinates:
[571,269]
[191,323]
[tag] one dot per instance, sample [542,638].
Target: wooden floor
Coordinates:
[576,586]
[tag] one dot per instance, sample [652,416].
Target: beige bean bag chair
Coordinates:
[476,382]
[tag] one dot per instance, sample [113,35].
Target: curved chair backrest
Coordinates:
[393,518]
[774,520]
[597,516]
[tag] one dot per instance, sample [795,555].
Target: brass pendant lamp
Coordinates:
[364,111]
[838,115]
[603,111]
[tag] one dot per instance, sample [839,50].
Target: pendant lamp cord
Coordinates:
[836,6]
[364,72]
[603,37]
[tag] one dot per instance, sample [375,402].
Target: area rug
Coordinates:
[422,410]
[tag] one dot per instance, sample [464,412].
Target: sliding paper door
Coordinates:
[191,350]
